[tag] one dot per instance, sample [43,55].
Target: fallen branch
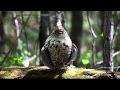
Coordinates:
[116,53]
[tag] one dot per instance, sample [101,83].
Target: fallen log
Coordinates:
[42,72]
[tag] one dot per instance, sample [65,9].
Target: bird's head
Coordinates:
[59,28]
[59,32]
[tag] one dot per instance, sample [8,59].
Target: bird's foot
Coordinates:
[71,66]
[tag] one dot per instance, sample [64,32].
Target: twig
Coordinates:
[115,27]
[27,61]
[93,40]
[5,58]
[91,29]
[25,33]
[36,47]
[16,24]
[30,58]
[116,53]
[25,23]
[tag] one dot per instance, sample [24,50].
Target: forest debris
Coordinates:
[27,61]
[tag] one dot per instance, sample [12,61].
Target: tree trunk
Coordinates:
[2,15]
[117,32]
[76,32]
[44,29]
[107,40]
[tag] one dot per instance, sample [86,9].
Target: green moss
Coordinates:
[12,73]
[46,73]
[81,73]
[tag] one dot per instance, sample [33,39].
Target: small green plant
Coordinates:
[1,58]
[17,59]
[86,57]
[14,60]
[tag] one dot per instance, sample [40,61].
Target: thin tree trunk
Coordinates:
[107,40]
[17,30]
[116,37]
[117,34]
[100,44]
[76,32]
[44,29]
[2,15]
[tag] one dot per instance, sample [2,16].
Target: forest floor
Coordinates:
[42,72]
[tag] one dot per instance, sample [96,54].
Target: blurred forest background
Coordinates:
[22,34]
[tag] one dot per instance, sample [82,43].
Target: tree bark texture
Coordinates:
[76,32]
[2,14]
[44,29]
[107,40]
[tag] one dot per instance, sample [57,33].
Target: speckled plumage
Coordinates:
[58,50]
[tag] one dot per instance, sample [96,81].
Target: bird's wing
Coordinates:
[73,54]
[45,57]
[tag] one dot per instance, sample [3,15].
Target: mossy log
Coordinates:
[43,72]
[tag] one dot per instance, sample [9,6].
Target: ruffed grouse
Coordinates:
[58,50]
